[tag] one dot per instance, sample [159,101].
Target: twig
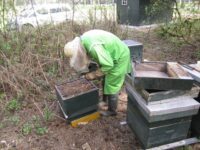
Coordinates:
[38,108]
[59,117]
[42,71]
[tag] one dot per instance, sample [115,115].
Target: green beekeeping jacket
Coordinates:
[112,55]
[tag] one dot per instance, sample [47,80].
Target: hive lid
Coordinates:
[161,76]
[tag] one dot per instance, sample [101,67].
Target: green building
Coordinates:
[141,12]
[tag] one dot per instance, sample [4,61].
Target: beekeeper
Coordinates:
[112,56]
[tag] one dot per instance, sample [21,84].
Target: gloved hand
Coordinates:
[94,75]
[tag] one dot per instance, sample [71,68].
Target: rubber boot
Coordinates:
[104,101]
[112,106]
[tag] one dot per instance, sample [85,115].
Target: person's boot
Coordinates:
[112,106]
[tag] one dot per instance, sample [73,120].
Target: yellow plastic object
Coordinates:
[85,119]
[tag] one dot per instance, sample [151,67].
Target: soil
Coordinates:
[74,88]
[102,134]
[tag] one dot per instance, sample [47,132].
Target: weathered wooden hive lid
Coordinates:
[161,76]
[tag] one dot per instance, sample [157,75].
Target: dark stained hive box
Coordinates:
[171,108]
[156,133]
[77,98]
[159,123]
[160,76]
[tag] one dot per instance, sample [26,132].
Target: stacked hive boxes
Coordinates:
[159,111]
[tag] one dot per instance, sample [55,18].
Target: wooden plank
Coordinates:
[85,119]
[176,144]
[195,74]
[175,70]
[196,66]
[170,71]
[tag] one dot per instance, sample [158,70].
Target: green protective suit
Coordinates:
[112,55]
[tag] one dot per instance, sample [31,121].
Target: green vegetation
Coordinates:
[48,114]
[41,130]
[184,28]
[13,105]
[27,128]
[1,125]
[38,127]
[14,120]
[2,96]
[159,10]
[186,31]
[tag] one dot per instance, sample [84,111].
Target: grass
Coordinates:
[14,120]
[1,125]
[2,97]
[35,125]
[41,130]
[27,128]
[38,126]
[13,105]
[48,114]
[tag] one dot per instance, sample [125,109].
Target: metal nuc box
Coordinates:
[136,49]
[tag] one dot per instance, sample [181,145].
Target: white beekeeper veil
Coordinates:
[77,54]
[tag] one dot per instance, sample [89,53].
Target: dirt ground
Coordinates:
[102,134]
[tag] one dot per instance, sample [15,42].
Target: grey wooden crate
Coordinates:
[177,107]
[156,133]
[155,75]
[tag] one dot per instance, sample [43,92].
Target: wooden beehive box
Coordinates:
[159,123]
[160,76]
[77,98]
[160,96]
[156,133]
[166,109]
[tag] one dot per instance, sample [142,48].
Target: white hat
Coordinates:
[72,47]
[77,54]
